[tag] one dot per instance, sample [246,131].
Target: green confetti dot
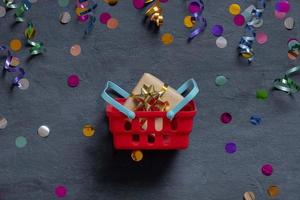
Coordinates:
[21,142]
[63,3]
[262,94]
[221,80]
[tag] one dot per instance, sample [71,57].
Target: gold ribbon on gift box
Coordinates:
[155,12]
[151,100]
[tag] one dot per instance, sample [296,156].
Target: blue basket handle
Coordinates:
[194,91]
[110,85]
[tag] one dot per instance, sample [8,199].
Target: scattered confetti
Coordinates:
[88,130]
[261,37]
[73,80]
[217,30]
[104,17]
[267,169]
[3,123]
[273,191]
[21,142]
[138,4]
[226,118]
[220,80]
[249,196]
[23,84]
[188,21]
[2,11]
[75,50]
[255,119]
[167,38]
[61,191]
[289,23]
[230,147]
[239,20]
[43,131]
[65,17]
[15,45]
[63,3]
[262,94]
[137,155]
[112,23]
[234,9]
[221,42]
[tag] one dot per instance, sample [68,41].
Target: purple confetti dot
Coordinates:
[283,6]
[230,147]
[226,118]
[194,7]
[138,4]
[239,20]
[217,30]
[267,169]
[73,80]
[83,18]
[104,17]
[61,191]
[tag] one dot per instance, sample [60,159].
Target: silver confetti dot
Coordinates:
[3,122]
[2,11]
[23,84]
[289,23]
[221,42]
[65,18]
[43,131]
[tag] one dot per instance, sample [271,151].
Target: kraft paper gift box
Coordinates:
[171,96]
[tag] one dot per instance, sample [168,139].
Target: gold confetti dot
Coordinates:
[249,196]
[234,9]
[273,191]
[15,61]
[167,38]
[111,2]
[137,155]
[188,22]
[15,45]
[75,50]
[112,23]
[88,130]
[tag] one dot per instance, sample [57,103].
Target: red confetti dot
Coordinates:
[73,80]
[267,170]
[239,20]
[138,4]
[226,118]
[61,191]
[104,17]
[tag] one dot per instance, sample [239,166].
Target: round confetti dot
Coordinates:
[255,119]
[262,94]
[279,15]
[137,155]
[234,9]
[83,18]
[273,191]
[65,17]
[267,170]
[249,196]
[3,122]
[167,38]
[221,80]
[43,131]
[230,147]
[2,11]
[138,4]
[88,130]
[15,45]
[289,23]
[226,118]
[261,37]
[63,3]
[239,20]
[221,42]
[73,80]
[61,191]
[194,7]
[188,21]
[282,6]
[112,23]
[15,61]
[217,30]
[21,142]
[75,50]
[112,2]
[104,17]
[23,84]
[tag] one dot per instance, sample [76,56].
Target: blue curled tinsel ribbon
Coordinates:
[199,19]
[90,12]
[20,73]
[246,42]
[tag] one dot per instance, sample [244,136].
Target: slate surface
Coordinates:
[89,167]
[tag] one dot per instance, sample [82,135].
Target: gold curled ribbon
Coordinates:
[150,100]
[155,13]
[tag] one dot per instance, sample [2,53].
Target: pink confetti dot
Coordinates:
[239,20]
[73,80]
[61,191]
[267,170]
[83,18]
[104,17]
[194,7]
[261,37]
[138,4]
[283,6]
[226,118]
[279,15]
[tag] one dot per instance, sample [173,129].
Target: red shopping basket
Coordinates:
[131,134]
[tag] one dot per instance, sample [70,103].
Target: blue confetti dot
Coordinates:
[255,120]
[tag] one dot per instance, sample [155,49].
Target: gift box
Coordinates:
[151,94]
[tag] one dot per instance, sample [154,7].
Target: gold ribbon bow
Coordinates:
[155,13]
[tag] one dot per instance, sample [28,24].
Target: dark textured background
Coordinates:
[89,167]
